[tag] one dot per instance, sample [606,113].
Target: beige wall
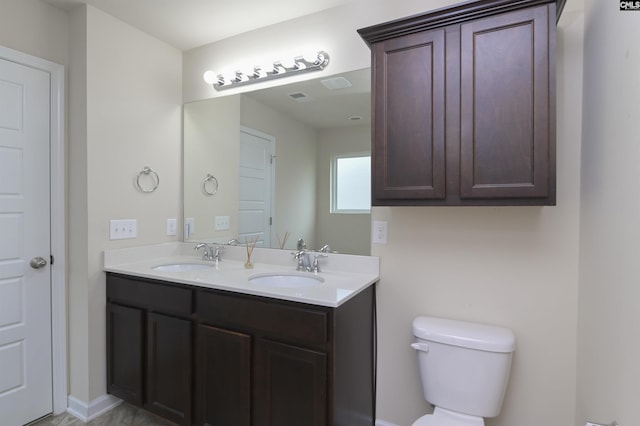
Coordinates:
[131,98]
[36,28]
[609,298]
[77,291]
[346,233]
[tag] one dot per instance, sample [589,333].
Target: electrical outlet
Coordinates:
[123,229]
[379,232]
[222,223]
[171,226]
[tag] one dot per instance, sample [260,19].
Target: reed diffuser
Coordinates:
[250,245]
[282,242]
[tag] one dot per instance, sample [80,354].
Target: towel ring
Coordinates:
[210,184]
[146,172]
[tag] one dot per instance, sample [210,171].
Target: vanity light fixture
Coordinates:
[269,71]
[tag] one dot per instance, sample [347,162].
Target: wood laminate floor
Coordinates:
[122,415]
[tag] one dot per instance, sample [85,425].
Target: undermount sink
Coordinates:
[181,267]
[286,280]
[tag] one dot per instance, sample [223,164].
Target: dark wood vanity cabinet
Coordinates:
[237,359]
[149,345]
[464,105]
[223,383]
[286,363]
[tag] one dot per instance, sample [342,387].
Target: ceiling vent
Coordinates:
[300,97]
[336,83]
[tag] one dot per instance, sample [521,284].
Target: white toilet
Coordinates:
[464,368]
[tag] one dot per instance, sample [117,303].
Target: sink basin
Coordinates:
[181,267]
[286,280]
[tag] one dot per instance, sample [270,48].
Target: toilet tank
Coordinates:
[464,366]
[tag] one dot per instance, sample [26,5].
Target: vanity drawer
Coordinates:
[155,295]
[297,324]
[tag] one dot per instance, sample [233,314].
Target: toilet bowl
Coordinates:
[442,417]
[464,369]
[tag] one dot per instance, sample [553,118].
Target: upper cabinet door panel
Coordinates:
[409,146]
[506,112]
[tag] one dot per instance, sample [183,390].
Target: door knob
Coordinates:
[38,262]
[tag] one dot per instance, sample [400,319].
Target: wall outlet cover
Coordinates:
[379,232]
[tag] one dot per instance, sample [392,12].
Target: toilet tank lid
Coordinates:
[484,337]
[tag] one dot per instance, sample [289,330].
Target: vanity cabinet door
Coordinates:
[125,362]
[169,357]
[290,387]
[223,384]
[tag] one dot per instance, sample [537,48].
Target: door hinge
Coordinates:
[270,221]
[51,260]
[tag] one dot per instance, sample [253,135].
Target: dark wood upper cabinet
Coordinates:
[409,110]
[464,105]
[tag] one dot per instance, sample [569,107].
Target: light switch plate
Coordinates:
[171,226]
[122,229]
[222,223]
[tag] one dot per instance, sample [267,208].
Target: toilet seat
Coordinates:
[442,417]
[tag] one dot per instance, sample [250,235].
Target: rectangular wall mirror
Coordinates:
[282,163]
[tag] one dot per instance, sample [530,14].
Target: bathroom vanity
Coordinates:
[205,347]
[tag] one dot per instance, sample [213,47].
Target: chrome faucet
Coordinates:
[302,256]
[211,253]
[314,265]
[217,254]
[207,253]
[308,261]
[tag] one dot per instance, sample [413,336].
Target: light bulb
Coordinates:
[210,77]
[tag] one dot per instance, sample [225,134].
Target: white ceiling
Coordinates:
[186,24]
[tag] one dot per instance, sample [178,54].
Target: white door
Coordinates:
[256,155]
[25,290]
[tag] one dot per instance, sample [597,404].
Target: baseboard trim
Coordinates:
[383,423]
[87,412]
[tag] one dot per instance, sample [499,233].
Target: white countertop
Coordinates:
[344,275]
